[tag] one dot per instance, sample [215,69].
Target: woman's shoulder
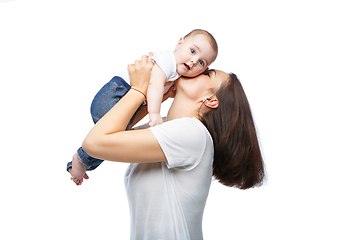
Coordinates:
[184,141]
[189,129]
[188,122]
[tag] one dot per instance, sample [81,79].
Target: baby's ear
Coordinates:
[181,40]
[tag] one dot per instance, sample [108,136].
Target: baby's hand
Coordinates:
[155,119]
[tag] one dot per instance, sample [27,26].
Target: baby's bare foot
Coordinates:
[77,171]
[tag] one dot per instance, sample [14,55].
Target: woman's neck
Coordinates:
[181,108]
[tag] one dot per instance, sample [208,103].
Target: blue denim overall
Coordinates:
[103,101]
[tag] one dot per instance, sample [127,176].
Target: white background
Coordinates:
[298,62]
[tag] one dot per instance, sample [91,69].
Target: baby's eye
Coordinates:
[202,63]
[192,51]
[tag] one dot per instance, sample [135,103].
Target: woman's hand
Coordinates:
[140,73]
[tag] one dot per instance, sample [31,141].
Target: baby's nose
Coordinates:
[193,63]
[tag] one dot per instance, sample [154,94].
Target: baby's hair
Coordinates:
[208,35]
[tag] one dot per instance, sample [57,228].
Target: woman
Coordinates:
[210,131]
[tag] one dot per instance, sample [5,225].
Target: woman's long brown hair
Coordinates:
[237,158]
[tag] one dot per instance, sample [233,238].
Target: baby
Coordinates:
[192,56]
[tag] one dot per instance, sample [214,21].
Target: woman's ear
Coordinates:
[212,103]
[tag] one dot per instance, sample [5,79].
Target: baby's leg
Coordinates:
[107,97]
[103,101]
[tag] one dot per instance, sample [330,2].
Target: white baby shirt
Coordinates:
[167,199]
[166,61]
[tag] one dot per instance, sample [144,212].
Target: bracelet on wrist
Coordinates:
[140,92]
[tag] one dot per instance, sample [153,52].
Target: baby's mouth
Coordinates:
[187,66]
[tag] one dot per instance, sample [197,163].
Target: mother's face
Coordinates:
[202,86]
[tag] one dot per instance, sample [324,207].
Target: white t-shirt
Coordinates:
[167,199]
[166,61]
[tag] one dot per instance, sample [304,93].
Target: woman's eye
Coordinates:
[192,51]
[207,73]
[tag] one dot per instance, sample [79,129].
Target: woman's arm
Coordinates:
[143,110]
[139,116]
[108,138]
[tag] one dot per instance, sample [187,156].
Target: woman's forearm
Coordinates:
[139,116]
[108,138]
[116,120]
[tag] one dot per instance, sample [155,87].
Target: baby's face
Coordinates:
[193,55]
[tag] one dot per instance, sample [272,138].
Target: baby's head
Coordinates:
[195,52]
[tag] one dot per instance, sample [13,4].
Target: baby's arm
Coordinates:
[155,95]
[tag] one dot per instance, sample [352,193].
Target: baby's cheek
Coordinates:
[198,71]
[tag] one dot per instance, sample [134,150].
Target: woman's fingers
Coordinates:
[140,73]
[146,58]
[145,61]
[130,67]
[137,64]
